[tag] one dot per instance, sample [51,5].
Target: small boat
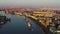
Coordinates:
[29,26]
[27,20]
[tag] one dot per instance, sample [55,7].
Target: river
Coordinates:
[18,26]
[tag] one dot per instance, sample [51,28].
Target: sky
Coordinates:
[30,3]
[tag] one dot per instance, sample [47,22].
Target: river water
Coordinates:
[18,26]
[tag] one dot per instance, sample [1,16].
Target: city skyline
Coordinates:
[30,3]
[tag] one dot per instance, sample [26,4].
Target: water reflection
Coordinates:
[17,25]
[3,23]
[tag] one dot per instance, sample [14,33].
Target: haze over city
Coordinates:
[30,3]
[29,16]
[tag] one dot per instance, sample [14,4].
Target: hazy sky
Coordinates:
[31,3]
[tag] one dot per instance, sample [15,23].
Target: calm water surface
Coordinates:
[17,26]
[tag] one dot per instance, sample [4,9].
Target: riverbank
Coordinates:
[43,28]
